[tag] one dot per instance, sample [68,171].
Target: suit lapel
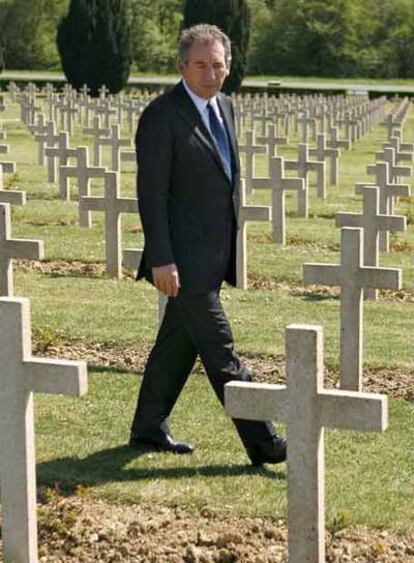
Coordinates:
[192,117]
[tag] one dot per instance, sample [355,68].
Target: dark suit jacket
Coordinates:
[187,203]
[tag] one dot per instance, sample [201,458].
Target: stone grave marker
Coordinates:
[112,204]
[400,155]
[272,140]
[48,138]
[394,171]
[249,149]
[21,376]
[115,143]
[373,223]
[323,152]
[307,409]
[280,184]
[277,181]
[304,165]
[388,191]
[352,276]
[83,174]
[59,155]
[334,142]
[13,197]
[8,167]
[13,248]
[247,213]
[97,133]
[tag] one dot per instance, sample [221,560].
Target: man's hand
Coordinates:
[166,279]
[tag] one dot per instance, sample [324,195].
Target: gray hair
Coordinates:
[203,34]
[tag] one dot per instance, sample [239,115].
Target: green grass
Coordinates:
[82,440]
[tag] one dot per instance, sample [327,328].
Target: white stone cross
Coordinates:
[352,127]
[304,165]
[8,167]
[13,248]
[61,153]
[304,120]
[21,376]
[103,91]
[321,152]
[84,174]
[307,409]
[276,181]
[105,109]
[394,171]
[334,142]
[14,197]
[67,109]
[97,132]
[404,147]
[280,184]
[115,143]
[352,276]
[112,205]
[246,213]
[272,140]
[388,191]
[47,139]
[39,126]
[250,149]
[373,222]
[400,155]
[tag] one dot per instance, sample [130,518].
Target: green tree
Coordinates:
[232,17]
[154,28]
[309,37]
[94,44]
[27,33]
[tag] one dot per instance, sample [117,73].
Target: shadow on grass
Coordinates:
[109,465]
[318,297]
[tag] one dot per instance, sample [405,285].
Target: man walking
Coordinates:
[188,192]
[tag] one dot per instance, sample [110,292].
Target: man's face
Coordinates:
[205,69]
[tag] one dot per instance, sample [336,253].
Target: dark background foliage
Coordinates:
[338,38]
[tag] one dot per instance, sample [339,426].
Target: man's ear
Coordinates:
[180,65]
[228,67]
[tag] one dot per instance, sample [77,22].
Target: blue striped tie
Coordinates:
[220,135]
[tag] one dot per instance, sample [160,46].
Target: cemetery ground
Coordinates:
[101,500]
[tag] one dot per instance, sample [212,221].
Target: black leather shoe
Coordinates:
[164,443]
[273,451]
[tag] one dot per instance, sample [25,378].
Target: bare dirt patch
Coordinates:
[79,529]
[270,369]
[321,291]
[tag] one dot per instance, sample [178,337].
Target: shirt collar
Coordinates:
[201,103]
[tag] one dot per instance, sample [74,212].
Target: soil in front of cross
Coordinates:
[79,529]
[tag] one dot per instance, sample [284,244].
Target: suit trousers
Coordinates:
[192,325]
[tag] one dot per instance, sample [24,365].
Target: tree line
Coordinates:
[337,38]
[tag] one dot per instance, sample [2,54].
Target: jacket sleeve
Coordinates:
[154,148]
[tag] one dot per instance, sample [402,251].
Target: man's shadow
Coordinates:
[108,466]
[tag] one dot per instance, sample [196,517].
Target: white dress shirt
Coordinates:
[201,105]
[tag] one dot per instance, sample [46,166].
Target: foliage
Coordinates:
[155,26]
[94,44]
[27,33]
[338,38]
[343,38]
[232,17]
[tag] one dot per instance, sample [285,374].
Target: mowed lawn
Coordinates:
[370,478]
